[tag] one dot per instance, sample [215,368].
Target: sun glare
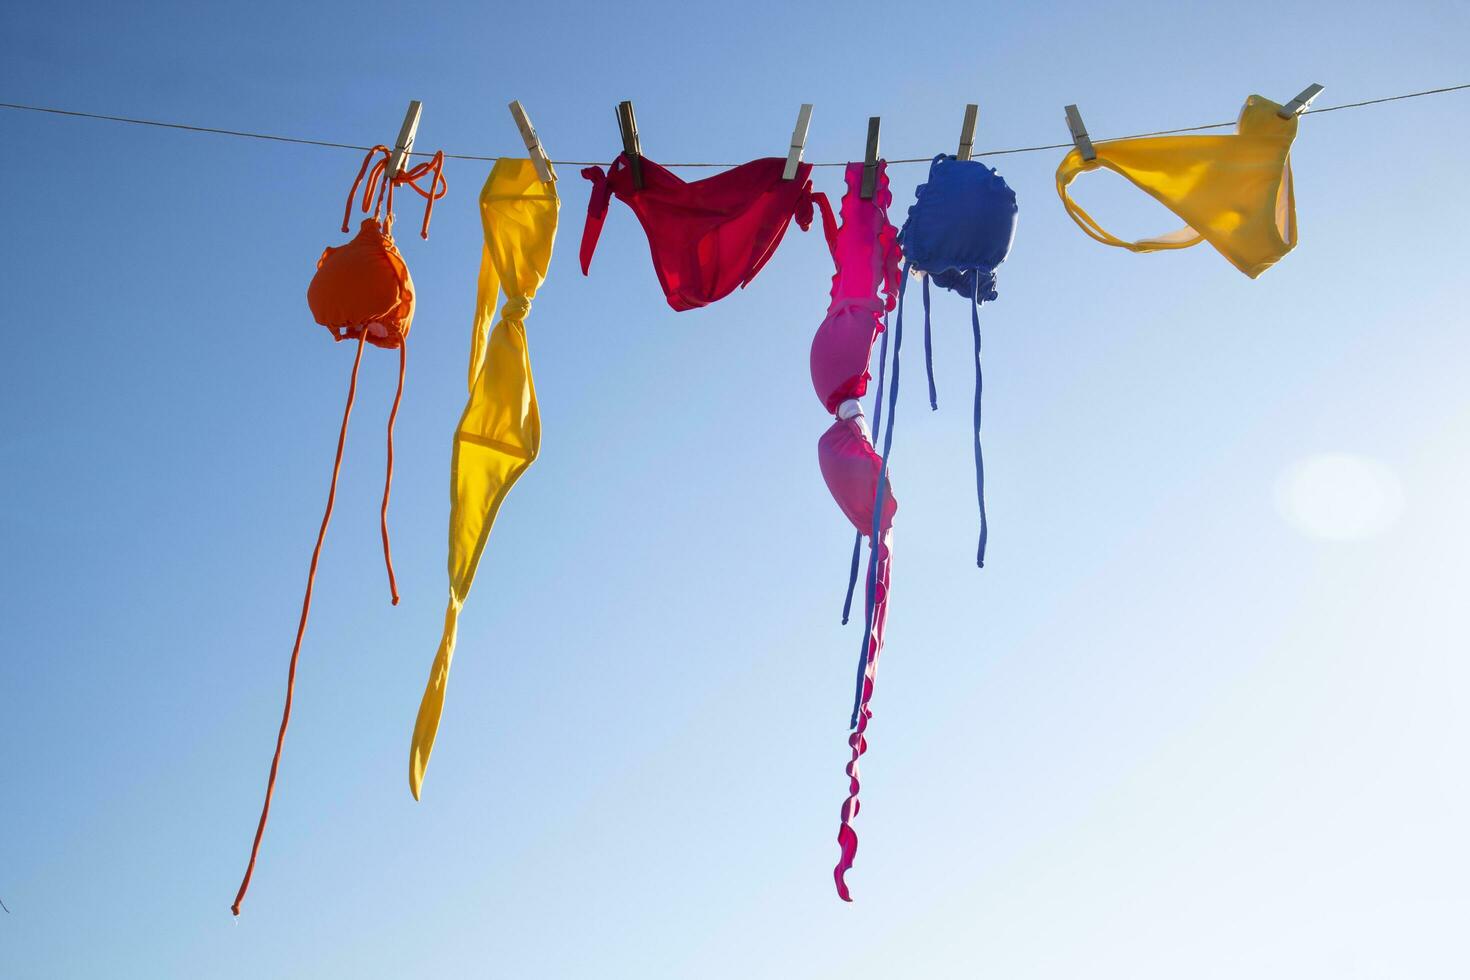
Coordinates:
[1339,497]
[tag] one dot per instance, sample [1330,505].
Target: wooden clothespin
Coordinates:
[870,161]
[406,135]
[1079,134]
[1298,105]
[967,132]
[628,126]
[539,159]
[798,141]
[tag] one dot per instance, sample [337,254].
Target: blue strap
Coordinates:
[857,547]
[857,702]
[979,459]
[882,369]
[857,541]
[929,351]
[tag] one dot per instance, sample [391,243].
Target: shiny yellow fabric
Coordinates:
[1232,191]
[499,434]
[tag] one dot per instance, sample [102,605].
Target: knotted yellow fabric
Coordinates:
[499,434]
[1232,191]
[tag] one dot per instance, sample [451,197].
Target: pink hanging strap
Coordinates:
[847,839]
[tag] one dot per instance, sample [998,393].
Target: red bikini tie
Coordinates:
[596,213]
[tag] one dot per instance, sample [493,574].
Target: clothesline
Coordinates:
[592,163]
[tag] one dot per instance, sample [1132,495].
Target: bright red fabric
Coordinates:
[710,236]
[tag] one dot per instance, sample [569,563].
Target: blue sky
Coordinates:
[1171,730]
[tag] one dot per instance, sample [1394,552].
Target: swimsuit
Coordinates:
[499,434]
[866,252]
[1233,191]
[959,229]
[362,291]
[713,235]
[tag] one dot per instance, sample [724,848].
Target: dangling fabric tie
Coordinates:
[857,740]
[879,556]
[388,478]
[379,185]
[377,190]
[438,187]
[368,191]
[597,205]
[979,458]
[857,541]
[857,550]
[869,649]
[803,214]
[929,351]
[316,554]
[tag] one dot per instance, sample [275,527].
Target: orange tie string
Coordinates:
[270,786]
[378,187]
[438,186]
[372,182]
[388,480]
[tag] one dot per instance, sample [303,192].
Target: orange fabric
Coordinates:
[363,288]
[388,479]
[361,291]
[437,187]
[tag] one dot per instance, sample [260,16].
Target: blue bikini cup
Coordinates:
[960,226]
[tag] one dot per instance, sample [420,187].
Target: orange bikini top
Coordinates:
[361,291]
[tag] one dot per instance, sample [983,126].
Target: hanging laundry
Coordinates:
[710,236]
[865,286]
[361,291]
[1233,191]
[499,433]
[959,229]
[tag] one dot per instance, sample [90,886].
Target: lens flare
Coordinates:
[1339,497]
